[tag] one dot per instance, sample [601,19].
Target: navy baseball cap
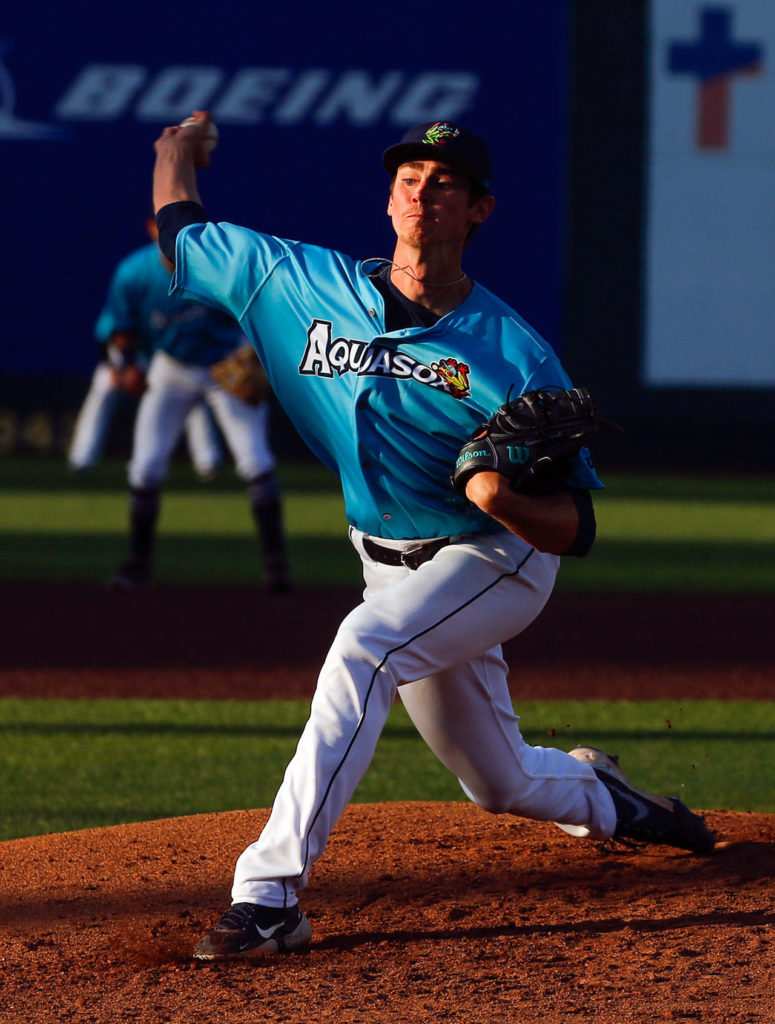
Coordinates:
[446,142]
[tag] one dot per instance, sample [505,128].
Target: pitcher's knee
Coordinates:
[498,805]
[491,800]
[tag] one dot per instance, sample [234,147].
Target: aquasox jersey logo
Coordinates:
[325,355]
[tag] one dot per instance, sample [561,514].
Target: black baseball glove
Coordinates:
[530,440]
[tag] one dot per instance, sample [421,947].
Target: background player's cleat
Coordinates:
[279,582]
[645,817]
[277,575]
[248,929]
[131,575]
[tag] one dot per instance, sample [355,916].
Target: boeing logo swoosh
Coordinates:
[13,127]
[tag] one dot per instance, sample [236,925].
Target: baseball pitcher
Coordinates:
[461,447]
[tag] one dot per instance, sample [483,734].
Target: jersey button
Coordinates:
[386,515]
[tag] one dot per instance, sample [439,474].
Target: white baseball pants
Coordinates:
[92,426]
[174,389]
[432,635]
[94,418]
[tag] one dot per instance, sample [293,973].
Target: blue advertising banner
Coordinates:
[306,97]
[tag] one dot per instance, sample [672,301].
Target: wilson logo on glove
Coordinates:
[465,456]
[518,453]
[530,439]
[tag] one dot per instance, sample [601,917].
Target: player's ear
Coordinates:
[390,196]
[483,208]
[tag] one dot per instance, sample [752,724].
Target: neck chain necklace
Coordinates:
[410,273]
[427,284]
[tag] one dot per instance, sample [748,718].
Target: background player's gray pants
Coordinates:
[435,633]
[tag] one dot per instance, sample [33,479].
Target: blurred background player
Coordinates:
[111,383]
[185,340]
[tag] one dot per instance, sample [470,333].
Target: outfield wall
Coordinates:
[670,311]
[633,153]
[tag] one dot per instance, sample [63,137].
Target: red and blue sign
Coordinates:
[715,58]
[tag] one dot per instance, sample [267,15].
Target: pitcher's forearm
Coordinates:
[179,153]
[547,522]
[174,176]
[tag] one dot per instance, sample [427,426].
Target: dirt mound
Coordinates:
[421,913]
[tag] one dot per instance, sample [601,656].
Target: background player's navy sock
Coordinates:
[144,504]
[266,506]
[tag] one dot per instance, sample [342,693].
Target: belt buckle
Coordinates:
[410,556]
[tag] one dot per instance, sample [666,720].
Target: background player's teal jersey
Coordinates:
[139,300]
[387,411]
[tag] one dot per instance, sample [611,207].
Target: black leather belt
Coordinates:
[412,557]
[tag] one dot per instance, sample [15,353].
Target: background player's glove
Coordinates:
[530,439]
[132,380]
[242,374]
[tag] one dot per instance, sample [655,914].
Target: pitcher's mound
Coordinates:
[421,912]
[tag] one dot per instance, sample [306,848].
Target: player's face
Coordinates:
[430,203]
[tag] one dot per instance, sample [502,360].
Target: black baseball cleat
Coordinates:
[131,575]
[277,574]
[279,583]
[250,930]
[645,817]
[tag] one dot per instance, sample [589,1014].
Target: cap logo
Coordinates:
[440,133]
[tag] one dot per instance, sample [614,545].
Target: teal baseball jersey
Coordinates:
[387,411]
[139,300]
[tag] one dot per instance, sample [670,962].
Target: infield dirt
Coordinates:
[421,912]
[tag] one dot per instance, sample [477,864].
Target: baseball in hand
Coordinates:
[208,141]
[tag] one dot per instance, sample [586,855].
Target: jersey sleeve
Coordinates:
[224,266]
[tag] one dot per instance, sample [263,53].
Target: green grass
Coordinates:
[58,528]
[69,765]
[666,533]
[655,533]
[76,764]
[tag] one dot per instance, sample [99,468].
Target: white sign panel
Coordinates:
[710,202]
